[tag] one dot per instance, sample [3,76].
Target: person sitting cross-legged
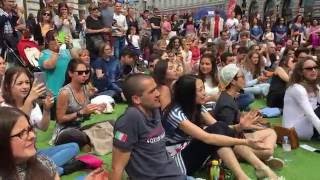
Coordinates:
[231,82]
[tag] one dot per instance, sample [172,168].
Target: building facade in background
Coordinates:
[285,8]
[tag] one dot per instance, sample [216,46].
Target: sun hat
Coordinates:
[227,74]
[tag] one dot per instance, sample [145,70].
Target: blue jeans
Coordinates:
[119,44]
[244,100]
[258,89]
[61,154]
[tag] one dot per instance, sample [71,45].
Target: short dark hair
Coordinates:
[301,50]
[224,56]
[243,50]
[128,52]
[132,86]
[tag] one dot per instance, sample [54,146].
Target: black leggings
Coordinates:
[198,152]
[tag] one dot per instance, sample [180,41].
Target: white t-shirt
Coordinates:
[232,23]
[134,40]
[35,116]
[210,89]
[298,111]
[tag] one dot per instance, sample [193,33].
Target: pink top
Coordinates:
[195,54]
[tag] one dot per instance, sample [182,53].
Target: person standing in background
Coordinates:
[119,29]
[155,25]
[107,11]
[216,25]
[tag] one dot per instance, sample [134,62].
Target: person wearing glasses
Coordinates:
[45,24]
[95,30]
[73,105]
[102,71]
[21,92]
[301,100]
[19,158]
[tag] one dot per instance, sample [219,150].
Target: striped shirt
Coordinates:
[176,139]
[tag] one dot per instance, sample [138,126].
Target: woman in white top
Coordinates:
[208,72]
[253,68]
[301,99]
[20,92]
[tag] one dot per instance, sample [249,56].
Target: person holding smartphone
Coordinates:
[22,92]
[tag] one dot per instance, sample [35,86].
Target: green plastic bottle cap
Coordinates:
[215,163]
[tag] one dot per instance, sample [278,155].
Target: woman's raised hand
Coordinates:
[37,90]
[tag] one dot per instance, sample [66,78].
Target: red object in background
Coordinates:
[231,6]
[22,45]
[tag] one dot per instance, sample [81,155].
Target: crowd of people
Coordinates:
[188,85]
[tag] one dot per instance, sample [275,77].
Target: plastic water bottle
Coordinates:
[214,170]
[286,146]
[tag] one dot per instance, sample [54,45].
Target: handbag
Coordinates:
[91,161]
[290,132]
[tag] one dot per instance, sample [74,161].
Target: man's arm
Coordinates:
[120,159]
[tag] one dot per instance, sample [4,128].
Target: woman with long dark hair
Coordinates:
[73,105]
[19,159]
[208,73]
[301,100]
[193,134]
[45,24]
[278,84]
[164,75]
[24,93]
[298,29]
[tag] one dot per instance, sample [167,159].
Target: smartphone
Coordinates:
[61,37]
[40,77]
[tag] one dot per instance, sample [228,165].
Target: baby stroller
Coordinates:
[29,52]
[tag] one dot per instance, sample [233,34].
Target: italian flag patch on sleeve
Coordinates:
[121,136]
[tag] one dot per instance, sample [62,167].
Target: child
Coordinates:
[133,39]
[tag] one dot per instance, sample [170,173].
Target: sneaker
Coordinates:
[275,163]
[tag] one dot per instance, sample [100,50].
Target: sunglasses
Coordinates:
[24,134]
[46,14]
[85,72]
[311,68]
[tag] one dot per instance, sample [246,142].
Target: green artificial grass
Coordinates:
[303,164]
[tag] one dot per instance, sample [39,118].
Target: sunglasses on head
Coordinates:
[85,72]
